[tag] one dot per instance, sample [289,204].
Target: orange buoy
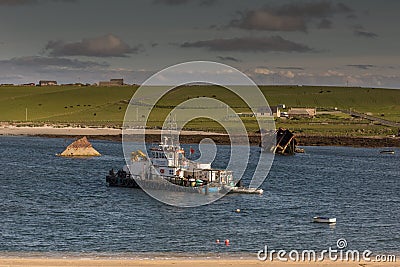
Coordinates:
[226,242]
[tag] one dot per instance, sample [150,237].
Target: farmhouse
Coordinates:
[263,112]
[245,114]
[28,84]
[268,112]
[47,83]
[302,113]
[276,112]
[112,82]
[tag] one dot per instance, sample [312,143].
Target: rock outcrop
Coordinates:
[80,148]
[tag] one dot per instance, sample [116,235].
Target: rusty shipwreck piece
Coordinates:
[80,148]
[286,143]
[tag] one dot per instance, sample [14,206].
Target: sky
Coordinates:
[344,43]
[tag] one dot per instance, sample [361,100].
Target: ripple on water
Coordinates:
[60,205]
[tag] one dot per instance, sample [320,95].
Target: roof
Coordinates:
[269,110]
[263,110]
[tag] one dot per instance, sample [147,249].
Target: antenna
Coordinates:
[172,129]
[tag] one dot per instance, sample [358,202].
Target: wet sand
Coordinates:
[77,262]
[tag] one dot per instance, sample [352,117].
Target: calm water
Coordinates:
[61,205]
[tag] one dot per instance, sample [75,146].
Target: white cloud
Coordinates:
[288,74]
[264,71]
[103,46]
[331,73]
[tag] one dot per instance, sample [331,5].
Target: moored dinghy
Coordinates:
[391,152]
[244,190]
[319,219]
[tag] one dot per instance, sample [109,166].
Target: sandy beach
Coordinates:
[75,131]
[47,130]
[153,135]
[77,262]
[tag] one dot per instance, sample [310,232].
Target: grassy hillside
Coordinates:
[366,100]
[106,106]
[64,104]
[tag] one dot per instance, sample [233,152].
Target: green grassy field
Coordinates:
[59,104]
[105,106]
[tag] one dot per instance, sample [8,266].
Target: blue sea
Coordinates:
[55,206]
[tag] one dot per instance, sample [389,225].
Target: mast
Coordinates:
[172,135]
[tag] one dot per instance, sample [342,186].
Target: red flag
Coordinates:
[191,150]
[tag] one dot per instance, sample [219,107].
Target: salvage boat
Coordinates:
[167,163]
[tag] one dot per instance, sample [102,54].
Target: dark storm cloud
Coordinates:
[104,46]
[30,2]
[11,77]
[207,2]
[250,44]
[324,24]
[365,34]
[171,2]
[290,68]
[182,2]
[268,21]
[32,68]
[340,7]
[362,66]
[64,70]
[351,16]
[49,62]
[294,16]
[232,59]
[361,32]
[16,2]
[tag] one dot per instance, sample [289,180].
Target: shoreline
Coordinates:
[111,262]
[190,137]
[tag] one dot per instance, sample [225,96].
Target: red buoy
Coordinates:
[217,241]
[226,242]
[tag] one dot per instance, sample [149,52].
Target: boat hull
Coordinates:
[121,179]
[243,190]
[324,220]
[390,152]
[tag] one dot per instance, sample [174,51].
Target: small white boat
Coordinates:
[243,190]
[391,152]
[324,220]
